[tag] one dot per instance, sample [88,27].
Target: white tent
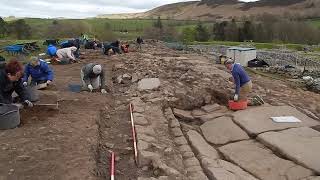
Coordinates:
[242,55]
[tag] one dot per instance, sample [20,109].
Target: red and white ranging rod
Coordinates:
[112,166]
[134,136]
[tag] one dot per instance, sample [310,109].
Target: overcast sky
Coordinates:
[76,8]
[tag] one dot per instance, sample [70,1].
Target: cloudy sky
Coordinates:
[76,8]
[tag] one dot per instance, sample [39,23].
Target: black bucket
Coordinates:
[9,116]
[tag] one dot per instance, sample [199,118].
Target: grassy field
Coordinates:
[315,22]
[8,56]
[297,47]
[134,27]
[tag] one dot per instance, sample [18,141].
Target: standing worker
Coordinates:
[39,71]
[93,77]
[243,84]
[10,81]
[139,41]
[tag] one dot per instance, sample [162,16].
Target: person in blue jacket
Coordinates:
[242,81]
[52,50]
[39,71]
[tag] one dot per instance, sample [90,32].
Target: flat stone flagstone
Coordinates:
[262,163]
[222,130]
[224,170]
[211,108]
[312,178]
[215,168]
[258,119]
[211,116]
[202,148]
[186,115]
[148,84]
[301,145]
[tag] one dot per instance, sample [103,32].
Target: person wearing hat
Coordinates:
[93,77]
[243,84]
[39,71]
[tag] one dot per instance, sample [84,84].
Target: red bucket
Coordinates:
[238,105]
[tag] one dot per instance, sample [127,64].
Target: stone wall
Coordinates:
[272,57]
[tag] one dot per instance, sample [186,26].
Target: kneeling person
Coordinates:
[39,71]
[93,77]
[10,81]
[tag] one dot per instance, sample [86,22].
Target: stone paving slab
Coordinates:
[224,170]
[258,119]
[211,116]
[222,130]
[211,107]
[186,115]
[262,163]
[148,84]
[202,148]
[312,178]
[301,145]
[215,168]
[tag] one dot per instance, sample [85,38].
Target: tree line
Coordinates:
[20,29]
[268,29]
[265,28]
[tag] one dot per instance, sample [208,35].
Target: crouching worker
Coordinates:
[51,50]
[67,54]
[39,71]
[93,77]
[111,48]
[125,48]
[10,81]
[243,84]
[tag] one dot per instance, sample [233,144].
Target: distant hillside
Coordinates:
[227,9]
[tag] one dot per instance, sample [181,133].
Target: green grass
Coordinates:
[314,22]
[297,47]
[317,49]
[133,26]
[8,56]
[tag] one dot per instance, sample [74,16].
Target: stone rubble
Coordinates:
[167,87]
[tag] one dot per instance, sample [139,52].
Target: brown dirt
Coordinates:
[68,143]
[283,91]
